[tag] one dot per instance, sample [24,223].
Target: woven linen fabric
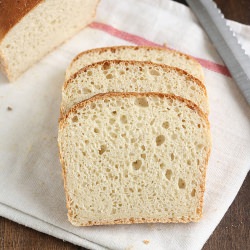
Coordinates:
[31,185]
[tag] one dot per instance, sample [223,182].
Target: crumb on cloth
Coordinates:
[9,108]
[146,242]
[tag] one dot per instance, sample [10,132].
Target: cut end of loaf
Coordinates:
[134,158]
[23,44]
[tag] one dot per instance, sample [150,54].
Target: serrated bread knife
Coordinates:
[225,42]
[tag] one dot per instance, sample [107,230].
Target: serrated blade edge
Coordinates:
[225,42]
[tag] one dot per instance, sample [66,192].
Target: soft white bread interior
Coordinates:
[131,76]
[137,53]
[38,28]
[134,158]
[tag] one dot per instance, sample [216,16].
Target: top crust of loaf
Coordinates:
[12,11]
[116,48]
[191,105]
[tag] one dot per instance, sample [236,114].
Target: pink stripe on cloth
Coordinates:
[142,41]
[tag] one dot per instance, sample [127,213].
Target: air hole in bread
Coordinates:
[162,165]
[126,173]
[154,72]
[189,162]
[122,72]
[137,164]
[86,142]
[109,76]
[165,125]
[75,119]
[103,149]
[159,59]
[183,126]
[160,139]
[198,162]
[168,87]
[198,125]
[168,174]
[152,122]
[143,147]
[96,130]
[86,91]
[141,102]
[172,156]
[92,105]
[123,119]
[89,73]
[193,192]
[79,91]
[106,66]
[200,146]
[114,112]
[192,87]
[143,156]
[181,183]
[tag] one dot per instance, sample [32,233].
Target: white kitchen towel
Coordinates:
[31,186]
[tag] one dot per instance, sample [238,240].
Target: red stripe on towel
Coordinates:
[218,68]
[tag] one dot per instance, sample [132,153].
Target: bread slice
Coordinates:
[31,29]
[134,158]
[137,53]
[131,76]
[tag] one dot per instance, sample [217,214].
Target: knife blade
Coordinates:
[225,42]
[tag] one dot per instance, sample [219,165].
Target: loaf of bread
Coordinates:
[134,158]
[137,53]
[131,76]
[29,29]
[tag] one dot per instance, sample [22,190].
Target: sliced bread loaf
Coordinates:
[131,76]
[137,53]
[31,29]
[134,158]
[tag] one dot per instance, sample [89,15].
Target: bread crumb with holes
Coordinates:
[146,242]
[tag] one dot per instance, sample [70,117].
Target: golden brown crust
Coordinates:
[136,220]
[114,48]
[138,63]
[192,106]
[123,47]
[12,11]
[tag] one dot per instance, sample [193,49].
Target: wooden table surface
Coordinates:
[233,232]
